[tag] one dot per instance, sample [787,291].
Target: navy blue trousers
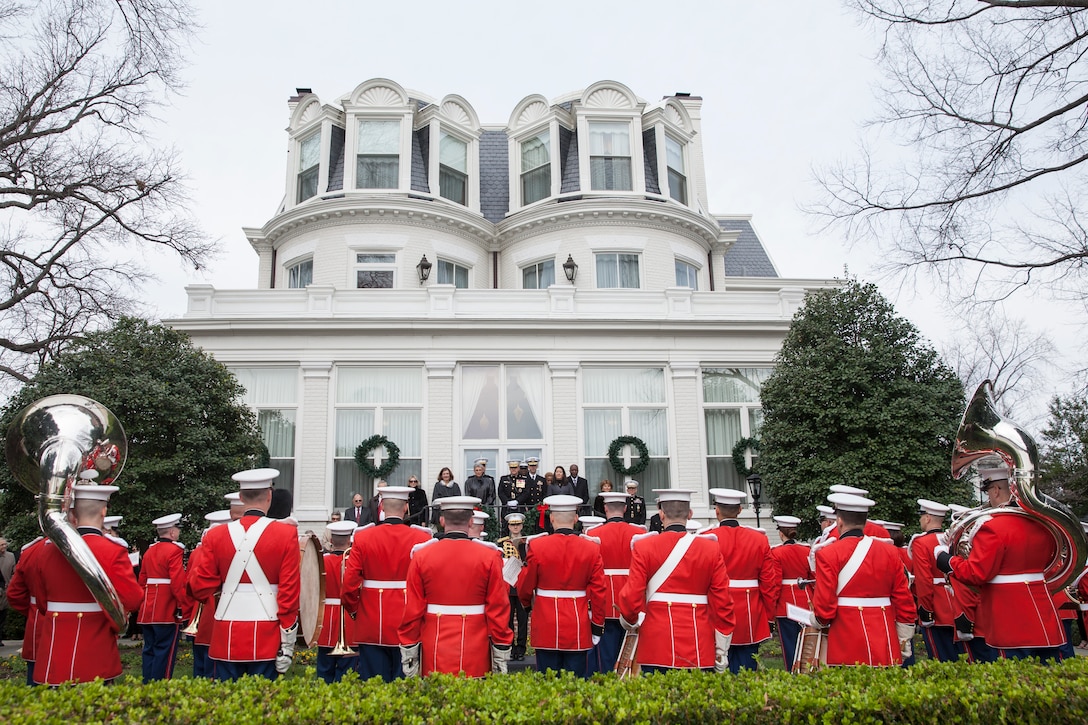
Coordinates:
[941,644]
[981,652]
[1067,648]
[332,668]
[231,671]
[378,661]
[556,660]
[1046,654]
[203,665]
[160,651]
[788,631]
[742,657]
[603,656]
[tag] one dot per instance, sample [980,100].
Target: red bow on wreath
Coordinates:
[543,509]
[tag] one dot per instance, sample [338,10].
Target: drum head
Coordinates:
[311,600]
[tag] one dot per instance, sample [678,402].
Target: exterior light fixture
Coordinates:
[424,269]
[570,268]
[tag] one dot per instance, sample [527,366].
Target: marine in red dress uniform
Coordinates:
[792,561]
[563,583]
[77,640]
[864,600]
[1006,563]
[615,536]
[754,578]
[937,609]
[331,668]
[252,637]
[375,582]
[162,575]
[458,609]
[20,600]
[204,610]
[688,620]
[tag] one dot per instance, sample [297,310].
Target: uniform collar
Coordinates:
[934,531]
[455,535]
[568,532]
[731,523]
[164,540]
[853,534]
[254,512]
[678,528]
[789,541]
[615,518]
[83,530]
[392,520]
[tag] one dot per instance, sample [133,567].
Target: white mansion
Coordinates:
[531,288]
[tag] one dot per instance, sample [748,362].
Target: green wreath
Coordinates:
[738,454]
[391,460]
[616,461]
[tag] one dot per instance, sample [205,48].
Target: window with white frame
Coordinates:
[617,270]
[674,160]
[610,156]
[453,168]
[300,274]
[731,411]
[376,401]
[687,275]
[309,165]
[273,394]
[538,276]
[377,154]
[452,273]
[375,270]
[536,168]
[502,405]
[625,401]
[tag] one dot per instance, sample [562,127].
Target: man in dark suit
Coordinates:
[358,512]
[581,489]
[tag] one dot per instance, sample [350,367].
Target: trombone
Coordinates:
[341,649]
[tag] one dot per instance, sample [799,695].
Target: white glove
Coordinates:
[905,633]
[595,639]
[943,548]
[409,659]
[638,622]
[500,655]
[286,655]
[512,503]
[721,651]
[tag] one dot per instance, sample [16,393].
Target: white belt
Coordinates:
[335,601]
[671,598]
[865,602]
[561,593]
[744,584]
[247,587]
[73,607]
[463,610]
[377,584]
[1084,607]
[790,582]
[1017,578]
[939,580]
[617,572]
[157,581]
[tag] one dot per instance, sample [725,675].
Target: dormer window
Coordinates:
[674,160]
[309,155]
[453,169]
[610,156]
[377,156]
[536,168]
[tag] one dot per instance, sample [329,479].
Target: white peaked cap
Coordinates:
[932,507]
[892,525]
[994,473]
[826,512]
[842,488]
[459,503]
[588,522]
[787,521]
[614,497]
[693,525]
[515,518]
[480,462]
[958,509]
[632,483]
[851,502]
[234,497]
[341,528]
[561,503]
[218,517]
[480,516]
[673,494]
[255,478]
[93,492]
[111,522]
[395,492]
[728,496]
[166,522]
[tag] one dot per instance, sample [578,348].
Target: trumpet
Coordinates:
[341,649]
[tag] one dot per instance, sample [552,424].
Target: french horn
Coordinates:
[983,432]
[49,443]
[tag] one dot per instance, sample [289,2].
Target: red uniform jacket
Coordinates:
[563,581]
[206,622]
[864,613]
[330,617]
[162,575]
[875,530]
[277,553]
[76,639]
[929,581]
[19,595]
[1008,555]
[754,579]
[374,581]
[677,633]
[615,537]
[457,601]
[792,561]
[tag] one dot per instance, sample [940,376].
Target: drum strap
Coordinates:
[669,566]
[854,563]
[243,561]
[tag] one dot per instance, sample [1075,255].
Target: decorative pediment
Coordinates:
[305,112]
[457,110]
[675,116]
[609,94]
[530,110]
[379,92]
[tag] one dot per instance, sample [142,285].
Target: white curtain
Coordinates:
[268,386]
[531,380]
[722,431]
[610,138]
[278,432]
[623,385]
[453,152]
[404,427]
[352,428]
[603,425]
[309,151]
[472,383]
[733,385]
[652,426]
[400,386]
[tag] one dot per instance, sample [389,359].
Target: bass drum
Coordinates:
[311,600]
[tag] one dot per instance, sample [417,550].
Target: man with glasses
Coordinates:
[357,512]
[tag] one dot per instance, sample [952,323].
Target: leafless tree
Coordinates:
[85,191]
[974,169]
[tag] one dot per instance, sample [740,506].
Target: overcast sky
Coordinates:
[786,86]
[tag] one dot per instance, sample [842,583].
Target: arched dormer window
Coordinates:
[379,137]
[309,152]
[672,131]
[453,158]
[610,139]
[534,132]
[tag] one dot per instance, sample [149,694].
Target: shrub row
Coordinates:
[959,692]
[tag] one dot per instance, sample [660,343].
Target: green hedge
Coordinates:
[930,692]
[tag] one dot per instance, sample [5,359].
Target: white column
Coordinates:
[688,470]
[438,447]
[313,488]
[566,444]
